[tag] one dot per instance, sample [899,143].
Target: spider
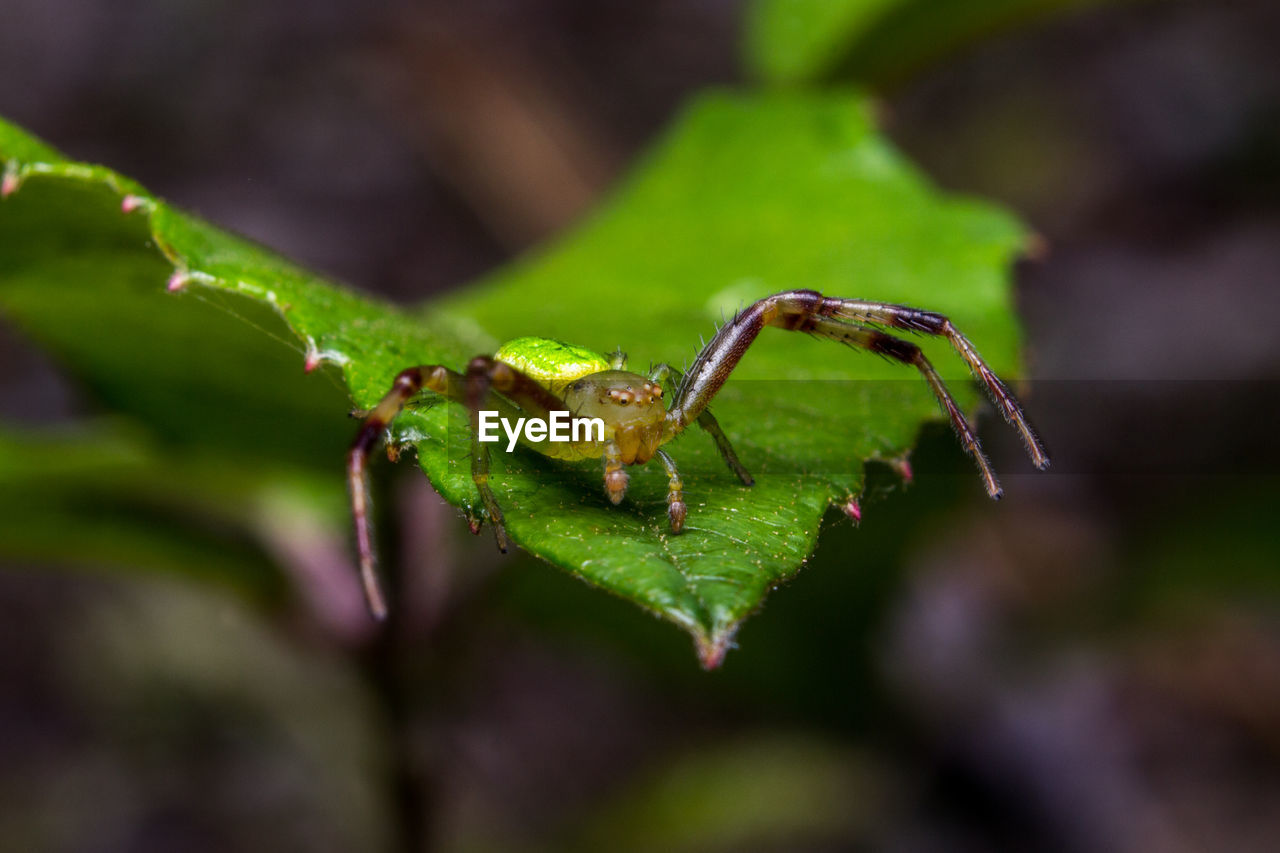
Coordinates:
[535,377]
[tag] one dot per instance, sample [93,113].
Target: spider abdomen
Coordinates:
[551,363]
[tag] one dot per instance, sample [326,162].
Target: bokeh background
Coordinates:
[1093,664]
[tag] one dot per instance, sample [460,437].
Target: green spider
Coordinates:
[534,377]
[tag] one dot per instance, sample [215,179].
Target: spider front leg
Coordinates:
[846,320]
[932,323]
[476,390]
[484,376]
[478,381]
[661,373]
[676,509]
[408,383]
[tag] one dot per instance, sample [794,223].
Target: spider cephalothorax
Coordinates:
[536,377]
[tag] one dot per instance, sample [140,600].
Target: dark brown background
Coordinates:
[1091,665]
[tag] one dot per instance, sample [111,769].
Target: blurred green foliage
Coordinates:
[792,42]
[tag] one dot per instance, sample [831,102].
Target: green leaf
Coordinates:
[790,41]
[874,41]
[85,281]
[99,495]
[744,197]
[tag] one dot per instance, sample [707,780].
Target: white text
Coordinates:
[559,426]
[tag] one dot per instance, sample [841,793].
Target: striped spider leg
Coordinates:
[520,396]
[853,322]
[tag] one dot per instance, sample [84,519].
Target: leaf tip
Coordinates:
[712,649]
[130,203]
[853,510]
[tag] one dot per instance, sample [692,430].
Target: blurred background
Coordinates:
[1093,664]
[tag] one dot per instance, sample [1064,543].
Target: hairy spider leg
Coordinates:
[406,385]
[839,319]
[932,323]
[484,376]
[676,509]
[908,353]
[484,373]
[661,373]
